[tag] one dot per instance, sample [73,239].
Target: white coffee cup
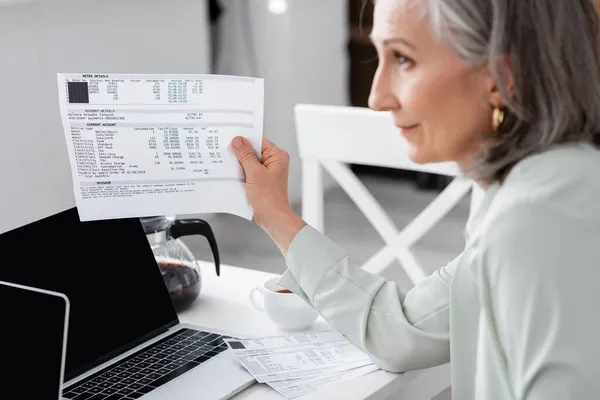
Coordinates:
[287,310]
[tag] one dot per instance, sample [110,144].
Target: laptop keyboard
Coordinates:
[149,368]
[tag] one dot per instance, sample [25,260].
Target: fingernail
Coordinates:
[238,143]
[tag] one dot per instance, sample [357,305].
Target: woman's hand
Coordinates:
[267,190]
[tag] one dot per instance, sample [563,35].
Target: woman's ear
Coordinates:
[503,76]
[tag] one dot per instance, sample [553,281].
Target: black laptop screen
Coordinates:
[31,362]
[107,270]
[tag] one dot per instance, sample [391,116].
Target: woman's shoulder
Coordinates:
[564,180]
[545,215]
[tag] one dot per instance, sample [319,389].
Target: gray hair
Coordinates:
[554,54]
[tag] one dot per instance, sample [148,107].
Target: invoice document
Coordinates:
[298,363]
[293,388]
[316,353]
[146,145]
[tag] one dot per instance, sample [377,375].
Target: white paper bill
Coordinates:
[145,145]
[305,355]
[292,339]
[293,388]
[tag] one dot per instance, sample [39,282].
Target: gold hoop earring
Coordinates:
[497,118]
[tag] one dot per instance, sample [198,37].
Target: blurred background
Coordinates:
[307,51]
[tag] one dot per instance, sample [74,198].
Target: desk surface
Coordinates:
[223,304]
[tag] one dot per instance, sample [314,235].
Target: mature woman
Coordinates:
[510,91]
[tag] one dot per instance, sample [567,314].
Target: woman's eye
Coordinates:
[401,58]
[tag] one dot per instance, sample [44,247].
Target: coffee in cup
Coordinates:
[284,308]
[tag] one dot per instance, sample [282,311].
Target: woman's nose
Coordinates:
[382,96]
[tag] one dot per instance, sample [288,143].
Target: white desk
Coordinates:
[223,304]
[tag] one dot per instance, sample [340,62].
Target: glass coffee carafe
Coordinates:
[176,262]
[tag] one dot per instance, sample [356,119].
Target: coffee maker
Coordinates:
[176,262]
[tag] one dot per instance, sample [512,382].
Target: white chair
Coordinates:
[330,138]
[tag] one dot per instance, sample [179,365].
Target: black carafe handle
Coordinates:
[187,227]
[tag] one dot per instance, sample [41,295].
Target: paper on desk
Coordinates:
[292,339]
[293,388]
[145,145]
[297,356]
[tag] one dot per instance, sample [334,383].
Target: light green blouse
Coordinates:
[516,312]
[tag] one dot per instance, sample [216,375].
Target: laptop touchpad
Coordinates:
[218,379]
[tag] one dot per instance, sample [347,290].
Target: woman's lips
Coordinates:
[408,130]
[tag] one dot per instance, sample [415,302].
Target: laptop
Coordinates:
[125,340]
[33,338]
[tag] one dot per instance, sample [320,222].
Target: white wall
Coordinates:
[39,39]
[301,54]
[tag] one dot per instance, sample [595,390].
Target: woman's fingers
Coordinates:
[245,155]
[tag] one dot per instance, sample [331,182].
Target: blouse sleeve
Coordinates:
[399,332]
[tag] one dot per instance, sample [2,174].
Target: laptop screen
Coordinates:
[31,342]
[107,270]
